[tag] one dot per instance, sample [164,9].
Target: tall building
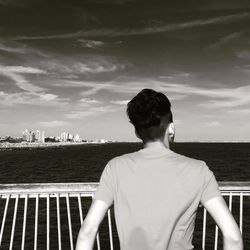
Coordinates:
[26,135]
[42,137]
[33,136]
[77,138]
[64,137]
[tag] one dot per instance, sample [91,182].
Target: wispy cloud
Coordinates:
[142,31]
[34,99]
[6,48]
[15,73]
[45,124]
[94,67]
[212,124]
[70,68]
[224,40]
[216,97]
[19,48]
[120,102]
[89,101]
[96,44]
[52,124]
[240,111]
[93,44]
[91,111]
[243,54]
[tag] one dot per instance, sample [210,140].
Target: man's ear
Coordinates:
[171,132]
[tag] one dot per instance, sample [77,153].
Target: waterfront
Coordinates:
[84,163]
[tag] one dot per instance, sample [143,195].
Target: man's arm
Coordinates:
[90,225]
[218,209]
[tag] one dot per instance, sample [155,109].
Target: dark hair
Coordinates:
[145,112]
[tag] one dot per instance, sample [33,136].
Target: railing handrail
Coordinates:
[41,188]
[90,187]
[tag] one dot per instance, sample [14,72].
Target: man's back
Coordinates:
[156,193]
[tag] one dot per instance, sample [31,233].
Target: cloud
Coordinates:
[95,44]
[91,111]
[121,102]
[216,97]
[15,74]
[243,54]
[94,67]
[17,48]
[48,97]
[46,124]
[221,97]
[90,43]
[21,69]
[94,87]
[6,48]
[143,31]
[52,124]
[240,111]
[34,99]
[89,101]
[212,124]
[224,40]
[68,68]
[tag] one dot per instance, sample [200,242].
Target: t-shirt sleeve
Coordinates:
[210,188]
[105,190]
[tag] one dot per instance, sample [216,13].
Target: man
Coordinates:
[155,191]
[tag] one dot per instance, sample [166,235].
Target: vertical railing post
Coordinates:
[4,218]
[110,231]
[80,207]
[36,222]
[48,221]
[24,220]
[204,228]
[58,222]
[241,211]
[69,222]
[14,223]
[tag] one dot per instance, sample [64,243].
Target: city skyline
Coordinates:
[76,69]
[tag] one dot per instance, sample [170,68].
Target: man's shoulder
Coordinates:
[189,161]
[176,158]
[122,158]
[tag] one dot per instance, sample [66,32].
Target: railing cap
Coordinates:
[90,187]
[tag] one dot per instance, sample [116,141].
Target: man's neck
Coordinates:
[156,144]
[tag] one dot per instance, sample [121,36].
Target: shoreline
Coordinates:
[8,145]
[23,145]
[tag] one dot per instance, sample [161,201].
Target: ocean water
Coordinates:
[84,163]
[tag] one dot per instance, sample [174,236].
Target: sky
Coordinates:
[73,66]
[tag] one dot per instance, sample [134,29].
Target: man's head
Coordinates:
[150,113]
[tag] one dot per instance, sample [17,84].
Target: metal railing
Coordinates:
[24,206]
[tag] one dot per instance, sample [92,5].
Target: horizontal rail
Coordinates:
[45,188]
[90,187]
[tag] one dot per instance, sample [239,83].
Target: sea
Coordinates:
[84,163]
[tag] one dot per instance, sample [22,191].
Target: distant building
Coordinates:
[70,137]
[43,137]
[64,137]
[26,135]
[77,138]
[33,136]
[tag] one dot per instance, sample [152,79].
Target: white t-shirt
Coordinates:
[156,193]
